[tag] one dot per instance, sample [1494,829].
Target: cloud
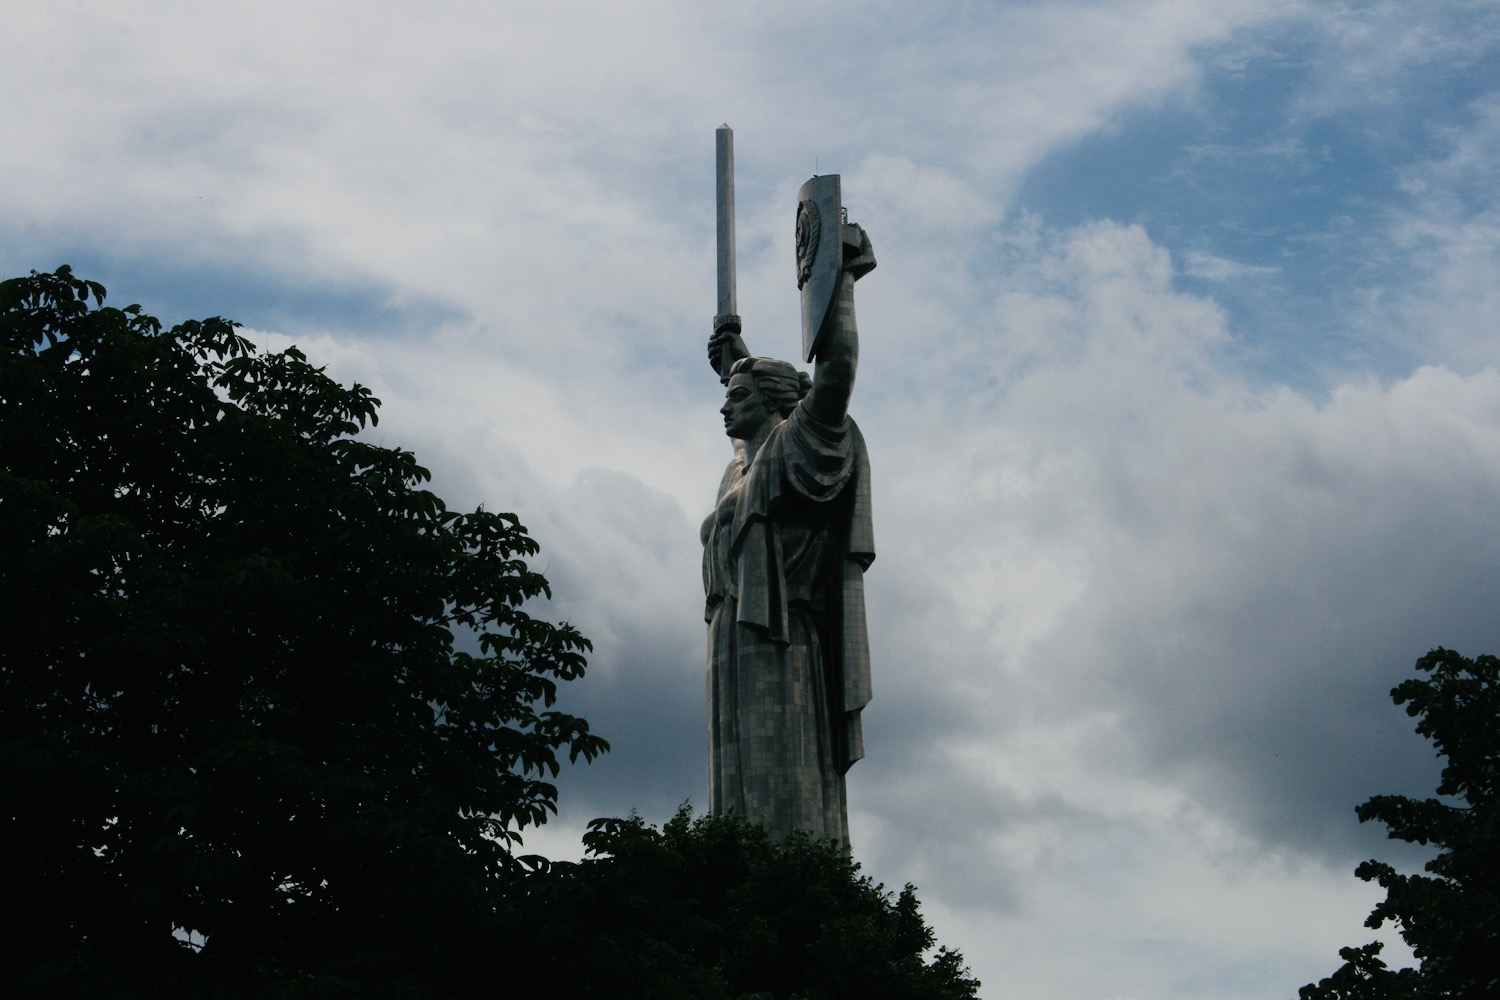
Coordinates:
[1140,601]
[1370,53]
[1234,574]
[1448,238]
[1198,264]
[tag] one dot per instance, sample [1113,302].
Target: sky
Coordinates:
[1178,373]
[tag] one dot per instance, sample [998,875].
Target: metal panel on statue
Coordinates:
[820,254]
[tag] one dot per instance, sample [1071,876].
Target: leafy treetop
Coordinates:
[714,908]
[1450,917]
[271,715]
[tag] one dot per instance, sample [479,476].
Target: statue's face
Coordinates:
[744,408]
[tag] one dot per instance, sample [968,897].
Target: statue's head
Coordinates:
[779,384]
[760,392]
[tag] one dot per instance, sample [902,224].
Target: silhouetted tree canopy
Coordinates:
[270,713]
[1450,917]
[714,909]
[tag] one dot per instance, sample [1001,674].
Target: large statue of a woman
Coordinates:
[784,555]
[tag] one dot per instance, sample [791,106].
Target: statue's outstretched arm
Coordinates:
[838,346]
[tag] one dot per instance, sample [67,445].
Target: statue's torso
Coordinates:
[801,528]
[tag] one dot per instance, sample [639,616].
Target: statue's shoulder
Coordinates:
[803,422]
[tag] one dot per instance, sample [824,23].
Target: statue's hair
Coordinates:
[781,385]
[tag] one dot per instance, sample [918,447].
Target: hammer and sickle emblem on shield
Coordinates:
[809,229]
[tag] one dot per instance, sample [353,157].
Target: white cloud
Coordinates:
[1205,265]
[1368,53]
[1448,237]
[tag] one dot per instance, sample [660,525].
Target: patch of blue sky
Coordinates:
[178,290]
[1275,204]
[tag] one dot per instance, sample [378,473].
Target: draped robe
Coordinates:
[788,657]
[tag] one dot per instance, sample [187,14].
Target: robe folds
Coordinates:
[788,656]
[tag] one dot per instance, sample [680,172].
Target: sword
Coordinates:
[727,317]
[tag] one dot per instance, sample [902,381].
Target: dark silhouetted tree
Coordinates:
[1450,917]
[715,909]
[270,713]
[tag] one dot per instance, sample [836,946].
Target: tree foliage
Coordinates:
[1450,917]
[271,714]
[714,908]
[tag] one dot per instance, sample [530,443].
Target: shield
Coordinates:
[820,254]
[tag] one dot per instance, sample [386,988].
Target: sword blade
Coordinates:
[724,146]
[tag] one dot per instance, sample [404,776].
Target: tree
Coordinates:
[271,715]
[1449,917]
[714,908]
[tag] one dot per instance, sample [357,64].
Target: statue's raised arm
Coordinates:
[836,347]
